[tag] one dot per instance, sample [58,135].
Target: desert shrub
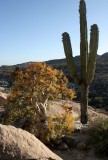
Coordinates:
[99,136]
[60,125]
[98,101]
[31,91]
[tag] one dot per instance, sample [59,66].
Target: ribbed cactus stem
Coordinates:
[83,40]
[94,38]
[87,59]
[69,57]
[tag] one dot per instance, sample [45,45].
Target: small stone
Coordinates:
[70,141]
[84,130]
[81,146]
[63,147]
[78,126]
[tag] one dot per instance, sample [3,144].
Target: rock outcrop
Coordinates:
[3,99]
[3,102]
[16,143]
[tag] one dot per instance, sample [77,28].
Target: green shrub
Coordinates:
[98,101]
[99,136]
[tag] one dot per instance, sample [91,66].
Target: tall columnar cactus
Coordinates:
[87,59]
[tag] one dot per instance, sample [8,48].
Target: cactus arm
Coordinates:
[94,38]
[83,41]
[69,57]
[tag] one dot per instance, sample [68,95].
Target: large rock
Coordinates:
[19,144]
[4,95]
[3,100]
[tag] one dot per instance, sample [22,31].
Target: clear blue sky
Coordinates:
[30,30]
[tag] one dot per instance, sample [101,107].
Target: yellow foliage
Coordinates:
[60,125]
[38,84]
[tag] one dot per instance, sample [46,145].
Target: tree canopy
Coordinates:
[31,91]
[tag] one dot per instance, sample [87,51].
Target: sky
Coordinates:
[30,30]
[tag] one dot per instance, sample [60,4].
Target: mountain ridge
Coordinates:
[98,88]
[104,56]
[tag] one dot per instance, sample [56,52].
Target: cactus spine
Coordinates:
[87,59]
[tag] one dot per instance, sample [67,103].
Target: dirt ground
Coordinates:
[78,155]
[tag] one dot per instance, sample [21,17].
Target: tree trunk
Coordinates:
[84,89]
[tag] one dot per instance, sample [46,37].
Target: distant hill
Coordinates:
[105,56]
[98,88]
[6,70]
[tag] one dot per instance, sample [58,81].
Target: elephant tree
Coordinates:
[87,59]
[32,90]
